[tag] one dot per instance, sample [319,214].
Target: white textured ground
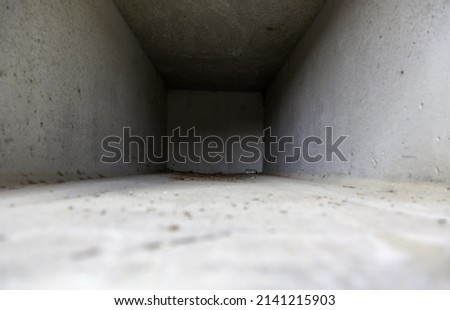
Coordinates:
[186,231]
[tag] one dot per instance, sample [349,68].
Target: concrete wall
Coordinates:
[224,45]
[222,114]
[379,72]
[71,73]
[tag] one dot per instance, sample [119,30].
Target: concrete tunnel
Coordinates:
[376,73]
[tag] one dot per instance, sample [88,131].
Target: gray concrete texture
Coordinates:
[71,73]
[181,231]
[377,71]
[220,114]
[233,45]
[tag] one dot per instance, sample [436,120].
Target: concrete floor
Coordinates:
[231,232]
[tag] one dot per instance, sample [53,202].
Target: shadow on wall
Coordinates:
[220,114]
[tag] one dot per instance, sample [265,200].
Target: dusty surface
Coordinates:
[373,75]
[71,73]
[190,231]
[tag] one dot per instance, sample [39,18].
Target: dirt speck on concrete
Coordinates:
[442,221]
[86,254]
[152,246]
[173,227]
[231,178]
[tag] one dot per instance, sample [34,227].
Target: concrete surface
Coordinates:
[241,232]
[220,114]
[379,72]
[71,73]
[236,45]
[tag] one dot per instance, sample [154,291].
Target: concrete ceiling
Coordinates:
[219,44]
